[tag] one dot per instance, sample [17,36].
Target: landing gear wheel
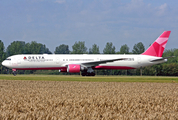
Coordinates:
[14,73]
[92,74]
[83,74]
[88,74]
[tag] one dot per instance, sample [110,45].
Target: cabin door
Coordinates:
[139,61]
[57,60]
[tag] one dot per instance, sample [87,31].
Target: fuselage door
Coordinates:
[57,60]
[139,60]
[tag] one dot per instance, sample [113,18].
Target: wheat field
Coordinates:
[53,100]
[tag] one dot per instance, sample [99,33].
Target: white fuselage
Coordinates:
[60,61]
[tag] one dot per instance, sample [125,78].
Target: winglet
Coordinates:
[157,48]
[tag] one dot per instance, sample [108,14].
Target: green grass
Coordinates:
[158,79]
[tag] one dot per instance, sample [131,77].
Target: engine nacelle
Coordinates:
[73,68]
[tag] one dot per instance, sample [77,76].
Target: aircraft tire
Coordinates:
[88,74]
[92,74]
[14,73]
[84,74]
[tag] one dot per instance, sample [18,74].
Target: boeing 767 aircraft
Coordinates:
[87,63]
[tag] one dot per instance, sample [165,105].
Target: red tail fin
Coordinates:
[157,48]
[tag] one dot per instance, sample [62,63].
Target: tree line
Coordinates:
[170,68]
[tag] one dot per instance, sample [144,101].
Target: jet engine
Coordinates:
[73,68]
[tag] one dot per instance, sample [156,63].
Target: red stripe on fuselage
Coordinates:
[64,69]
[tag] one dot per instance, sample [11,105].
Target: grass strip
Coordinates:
[158,79]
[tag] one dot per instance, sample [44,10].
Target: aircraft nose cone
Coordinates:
[4,63]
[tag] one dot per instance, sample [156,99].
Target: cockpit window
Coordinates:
[8,59]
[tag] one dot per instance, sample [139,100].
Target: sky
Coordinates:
[56,22]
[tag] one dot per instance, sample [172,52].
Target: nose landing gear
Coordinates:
[14,72]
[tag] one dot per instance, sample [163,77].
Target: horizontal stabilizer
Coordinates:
[155,60]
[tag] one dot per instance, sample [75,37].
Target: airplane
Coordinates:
[87,63]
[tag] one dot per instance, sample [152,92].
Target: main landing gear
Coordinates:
[89,72]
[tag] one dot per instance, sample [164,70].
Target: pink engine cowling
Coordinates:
[73,68]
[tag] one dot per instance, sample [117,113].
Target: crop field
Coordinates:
[101,97]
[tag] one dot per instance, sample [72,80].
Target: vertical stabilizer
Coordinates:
[157,48]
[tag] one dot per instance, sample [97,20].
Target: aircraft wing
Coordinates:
[96,63]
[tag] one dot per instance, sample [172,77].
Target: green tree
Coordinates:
[79,48]
[44,50]
[170,69]
[109,48]
[33,48]
[94,49]
[138,48]
[172,52]
[124,49]
[2,56]
[16,47]
[36,48]
[62,49]
[176,55]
